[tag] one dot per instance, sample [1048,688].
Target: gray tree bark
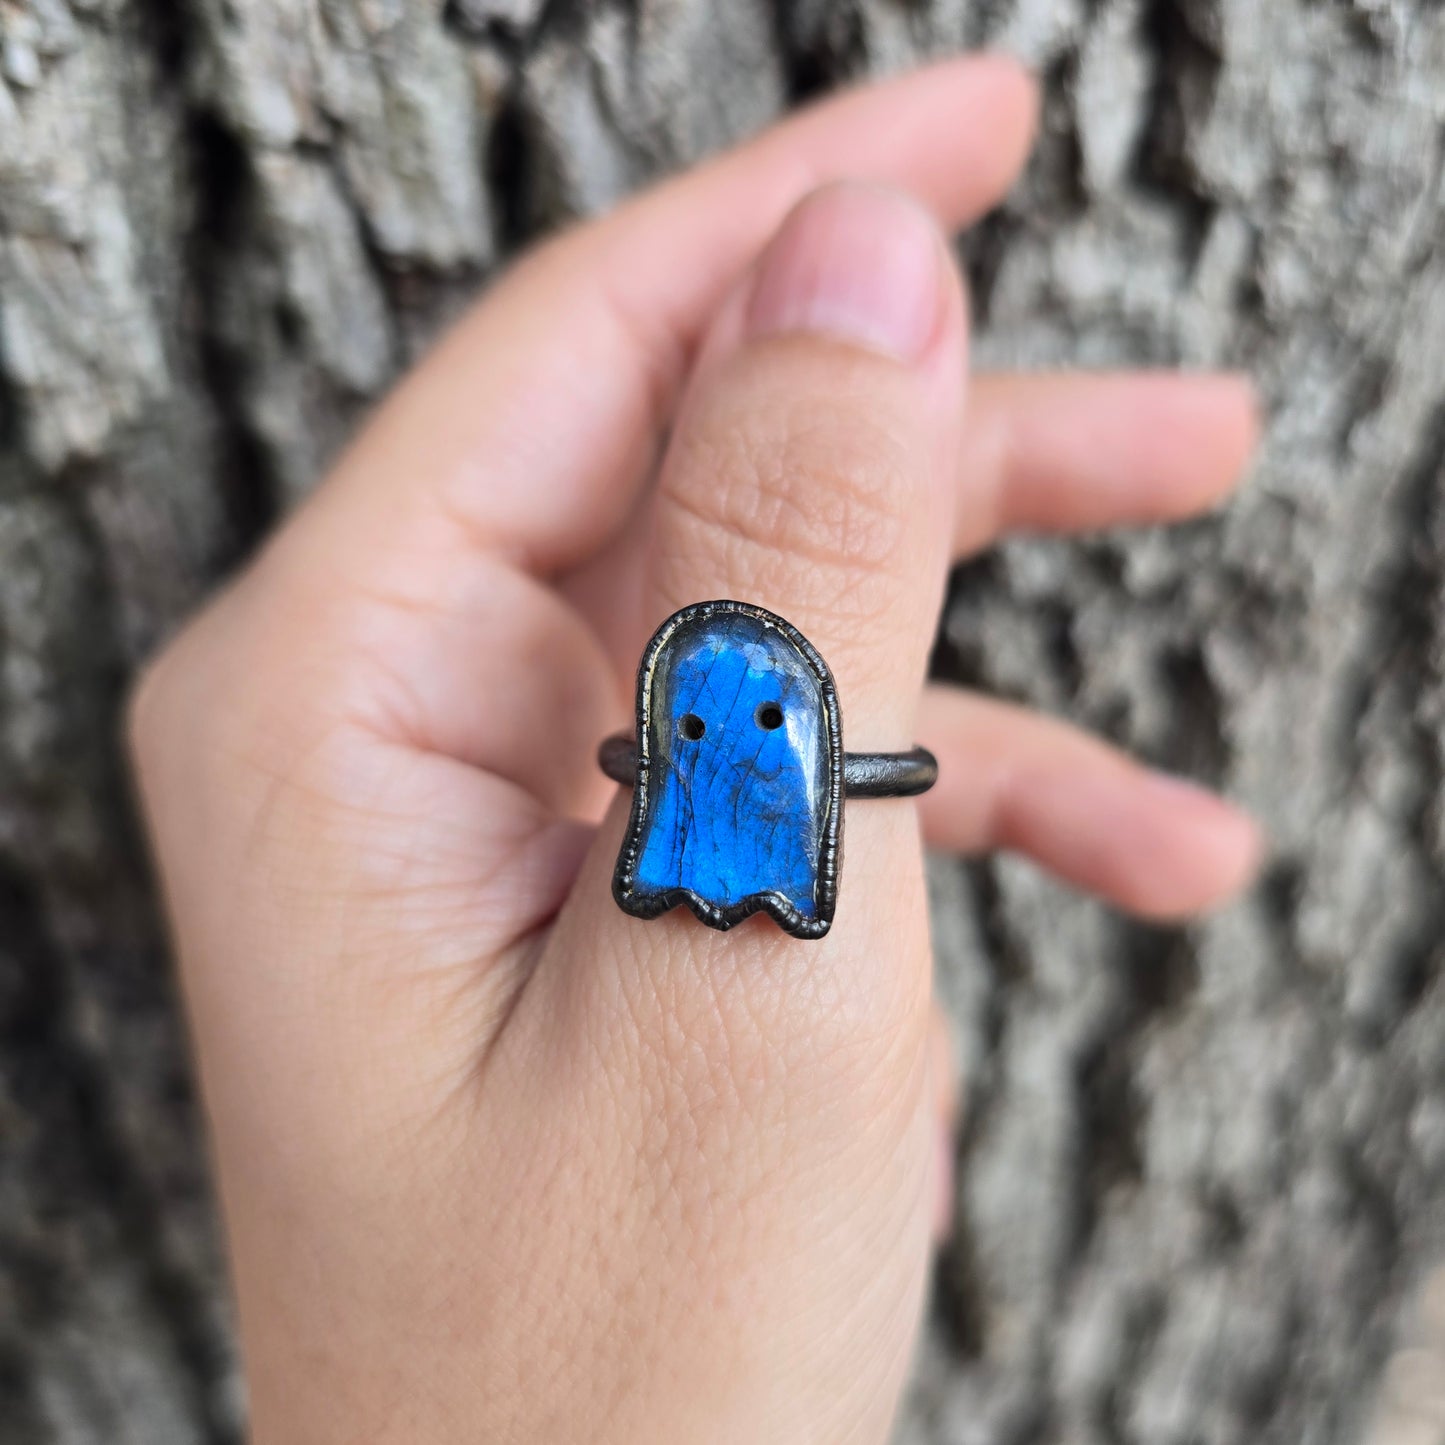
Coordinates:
[1202,1172]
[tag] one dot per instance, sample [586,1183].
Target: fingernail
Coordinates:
[857,264]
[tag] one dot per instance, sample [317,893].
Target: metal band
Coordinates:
[865,775]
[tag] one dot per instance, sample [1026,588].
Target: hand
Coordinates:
[499,1162]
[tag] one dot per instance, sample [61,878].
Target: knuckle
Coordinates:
[826,481]
[813,494]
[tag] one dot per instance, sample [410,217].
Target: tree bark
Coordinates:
[1202,1172]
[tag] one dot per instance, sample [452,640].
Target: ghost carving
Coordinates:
[737,804]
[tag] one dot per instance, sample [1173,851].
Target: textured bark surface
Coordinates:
[1203,1173]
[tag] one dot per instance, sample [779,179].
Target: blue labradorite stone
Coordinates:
[738,791]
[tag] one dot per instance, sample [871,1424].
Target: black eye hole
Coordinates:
[769,716]
[691,726]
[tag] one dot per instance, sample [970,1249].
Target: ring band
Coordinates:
[865,775]
[739,775]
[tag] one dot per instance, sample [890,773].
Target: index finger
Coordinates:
[529,430]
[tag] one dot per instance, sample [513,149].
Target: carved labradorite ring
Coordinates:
[739,774]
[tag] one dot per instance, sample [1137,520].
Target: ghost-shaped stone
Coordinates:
[737,805]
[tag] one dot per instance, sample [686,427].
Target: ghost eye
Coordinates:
[769,716]
[691,726]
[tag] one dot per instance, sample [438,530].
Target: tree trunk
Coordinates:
[1202,1172]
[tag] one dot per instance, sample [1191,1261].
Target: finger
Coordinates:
[1068,453]
[805,471]
[530,429]
[1010,778]
[811,471]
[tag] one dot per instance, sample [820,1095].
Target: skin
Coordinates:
[497,1161]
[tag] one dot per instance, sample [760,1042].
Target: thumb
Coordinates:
[776,1091]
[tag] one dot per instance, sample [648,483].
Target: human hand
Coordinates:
[498,1161]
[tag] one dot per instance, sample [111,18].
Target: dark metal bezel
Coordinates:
[787,917]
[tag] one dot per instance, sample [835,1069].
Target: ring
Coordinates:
[738,774]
